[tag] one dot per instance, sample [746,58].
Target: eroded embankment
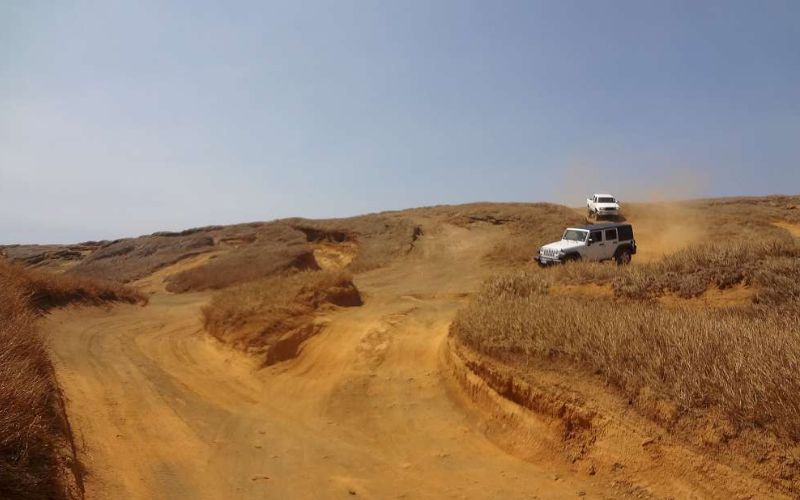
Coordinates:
[574,419]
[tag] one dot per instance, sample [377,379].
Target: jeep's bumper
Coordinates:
[607,211]
[545,259]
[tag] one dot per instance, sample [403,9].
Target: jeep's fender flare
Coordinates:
[621,248]
[571,256]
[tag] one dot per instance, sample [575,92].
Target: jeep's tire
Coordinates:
[573,257]
[623,257]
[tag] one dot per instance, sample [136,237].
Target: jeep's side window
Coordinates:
[625,233]
[611,234]
[596,236]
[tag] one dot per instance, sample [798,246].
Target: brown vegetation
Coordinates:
[44,290]
[29,425]
[133,258]
[32,427]
[380,238]
[248,264]
[275,315]
[738,364]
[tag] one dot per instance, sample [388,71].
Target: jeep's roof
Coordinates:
[603,195]
[595,227]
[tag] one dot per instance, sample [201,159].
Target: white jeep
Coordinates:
[596,242]
[602,205]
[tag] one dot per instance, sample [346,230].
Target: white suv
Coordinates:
[596,242]
[602,205]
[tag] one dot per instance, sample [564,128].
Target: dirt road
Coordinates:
[161,411]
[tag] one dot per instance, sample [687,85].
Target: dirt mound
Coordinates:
[335,255]
[569,417]
[130,259]
[159,280]
[250,264]
[276,315]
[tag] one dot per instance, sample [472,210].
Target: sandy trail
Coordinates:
[794,229]
[161,411]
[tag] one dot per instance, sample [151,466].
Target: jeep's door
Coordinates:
[612,241]
[596,250]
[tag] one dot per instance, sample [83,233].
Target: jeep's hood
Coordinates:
[563,245]
[606,206]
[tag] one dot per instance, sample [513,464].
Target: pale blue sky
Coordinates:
[123,118]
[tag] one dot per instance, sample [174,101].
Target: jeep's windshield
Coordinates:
[606,199]
[575,235]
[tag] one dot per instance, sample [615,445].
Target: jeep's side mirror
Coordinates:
[589,242]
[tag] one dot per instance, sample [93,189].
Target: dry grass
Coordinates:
[249,264]
[253,251]
[46,290]
[31,425]
[380,238]
[688,273]
[133,258]
[739,362]
[768,266]
[257,315]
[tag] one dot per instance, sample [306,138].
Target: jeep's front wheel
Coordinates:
[573,257]
[623,257]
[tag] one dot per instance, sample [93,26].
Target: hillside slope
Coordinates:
[370,406]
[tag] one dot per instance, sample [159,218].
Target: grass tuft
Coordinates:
[31,425]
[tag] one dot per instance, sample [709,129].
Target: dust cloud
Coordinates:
[580,180]
[648,201]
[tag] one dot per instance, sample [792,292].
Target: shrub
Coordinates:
[256,315]
[741,361]
[46,290]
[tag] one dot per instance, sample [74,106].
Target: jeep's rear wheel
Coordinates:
[623,257]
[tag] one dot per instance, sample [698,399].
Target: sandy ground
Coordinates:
[161,411]
[794,229]
[368,409]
